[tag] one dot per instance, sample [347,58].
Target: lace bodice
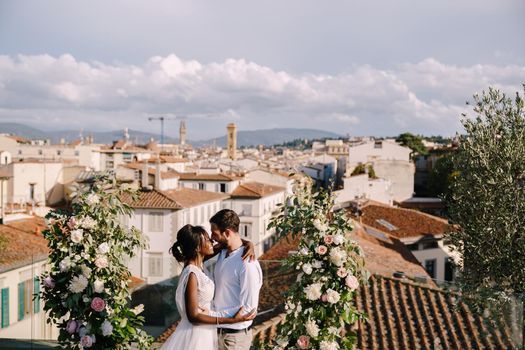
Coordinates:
[206,289]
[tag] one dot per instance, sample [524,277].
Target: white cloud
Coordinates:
[63,92]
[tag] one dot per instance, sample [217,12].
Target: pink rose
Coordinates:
[324,298]
[71,326]
[72,223]
[352,282]
[98,304]
[321,250]
[101,262]
[49,282]
[86,341]
[303,342]
[341,272]
[328,239]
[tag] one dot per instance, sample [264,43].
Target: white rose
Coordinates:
[65,264]
[103,248]
[320,226]
[88,223]
[312,329]
[332,296]
[282,342]
[92,199]
[338,256]
[299,308]
[101,262]
[307,268]
[328,345]
[98,286]
[339,239]
[317,264]
[333,330]
[304,251]
[313,291]
[106,328]
[77,235]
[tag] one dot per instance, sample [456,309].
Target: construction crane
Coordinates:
[162,119]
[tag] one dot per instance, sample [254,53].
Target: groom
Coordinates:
[237,282]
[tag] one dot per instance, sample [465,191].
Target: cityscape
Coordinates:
[383,211]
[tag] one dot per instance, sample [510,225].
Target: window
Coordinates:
[202,186]
[413,246]
[429,245]
[195,186]
[378,144]
[430,266]
[36,297]
[110,164]
[246,210]
[59,152]
[155,222]
[223,188]
[245,230]
[77,153]
[449,269]
[5,307]
[32,192]
[40,152]
[19,152]
[127,157]
[25,290]
[155,264]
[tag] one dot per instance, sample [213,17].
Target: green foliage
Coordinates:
[487,198]
[362,169]
[320,304]
[415,143]
[89,249]
[441,177]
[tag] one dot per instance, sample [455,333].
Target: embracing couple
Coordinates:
[216,311]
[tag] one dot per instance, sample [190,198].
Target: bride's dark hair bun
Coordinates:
[189,240]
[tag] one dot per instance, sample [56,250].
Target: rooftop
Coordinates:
[255,190]
[188,197]
[24,243]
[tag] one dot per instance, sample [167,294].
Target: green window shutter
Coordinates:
[5,307]
[36,303]
[20,301]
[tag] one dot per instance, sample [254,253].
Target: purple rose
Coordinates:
[71,326]
[49,282]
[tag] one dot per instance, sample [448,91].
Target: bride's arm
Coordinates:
[193,311]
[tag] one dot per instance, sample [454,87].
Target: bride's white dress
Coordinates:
[188,336]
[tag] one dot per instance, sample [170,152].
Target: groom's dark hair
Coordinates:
[226,219]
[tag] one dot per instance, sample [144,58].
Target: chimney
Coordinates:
[145,181]
[157,173]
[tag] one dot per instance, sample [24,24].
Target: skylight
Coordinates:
[386,224]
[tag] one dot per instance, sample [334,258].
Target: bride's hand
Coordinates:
[239,317]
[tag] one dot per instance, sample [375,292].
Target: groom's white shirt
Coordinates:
[237,283]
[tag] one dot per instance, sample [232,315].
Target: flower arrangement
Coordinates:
[86,290]
[330,265]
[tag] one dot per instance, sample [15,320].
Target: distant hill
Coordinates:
[106,137]
[265,137]
[270,137]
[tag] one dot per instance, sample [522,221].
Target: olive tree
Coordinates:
[487,199]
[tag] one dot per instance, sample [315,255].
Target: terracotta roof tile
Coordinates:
[406,222]
[24,243]
[403,315]
[255,190]
[188,197]
[153,199]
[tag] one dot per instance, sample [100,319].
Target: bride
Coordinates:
[196,330]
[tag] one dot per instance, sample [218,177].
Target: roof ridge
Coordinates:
[166,195]
[412,211]
[249,189]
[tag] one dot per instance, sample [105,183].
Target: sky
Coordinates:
[352,67]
